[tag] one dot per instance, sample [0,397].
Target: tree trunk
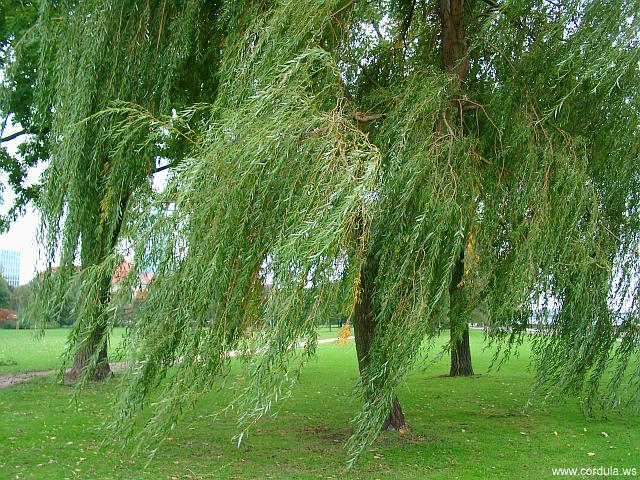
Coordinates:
[461,355]
[454,42]
[458,325]
[87,349]
[83,357]
[395,420]
[454,60]
[364,332]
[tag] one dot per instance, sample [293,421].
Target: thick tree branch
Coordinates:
[164,167]
[366,118]
[406,23]
[13,136]
[376,28]
[465,105]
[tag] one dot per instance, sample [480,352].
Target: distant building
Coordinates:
[139,289]
[10,266]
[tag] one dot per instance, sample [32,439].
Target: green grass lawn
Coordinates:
[460,428]
[26,351]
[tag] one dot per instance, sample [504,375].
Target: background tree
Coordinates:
[5,294]
[20,297]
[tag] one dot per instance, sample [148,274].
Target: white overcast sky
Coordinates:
[22,234]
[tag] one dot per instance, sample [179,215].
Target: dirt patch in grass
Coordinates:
[10,379]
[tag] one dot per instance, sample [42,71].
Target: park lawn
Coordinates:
[32,350]
[461,428]
[27,351]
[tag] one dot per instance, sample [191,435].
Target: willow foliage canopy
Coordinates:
[354,154]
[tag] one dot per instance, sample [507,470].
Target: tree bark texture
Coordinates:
[455,61]
[87,349]
[454,43]
[459,327]
[461,355]
[365,329]
[83,356]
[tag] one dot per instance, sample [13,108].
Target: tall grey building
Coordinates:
[10,266]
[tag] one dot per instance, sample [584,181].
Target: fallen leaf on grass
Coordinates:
[591,454]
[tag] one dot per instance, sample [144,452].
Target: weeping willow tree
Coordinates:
[155,54]
[376,156]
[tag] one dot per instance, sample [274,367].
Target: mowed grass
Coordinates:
[460,428]
[29,351]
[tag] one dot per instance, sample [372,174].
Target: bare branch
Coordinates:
[164,167]
[366,118]
[13,136]
[406,23]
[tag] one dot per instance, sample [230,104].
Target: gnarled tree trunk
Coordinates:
[87,349]
[83,357]
[365,329]
[89,346]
